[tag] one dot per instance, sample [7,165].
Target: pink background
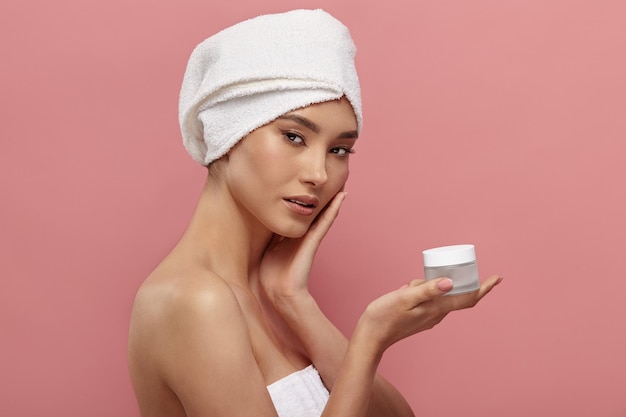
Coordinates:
[498,123]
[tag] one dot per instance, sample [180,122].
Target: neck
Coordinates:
[223,237]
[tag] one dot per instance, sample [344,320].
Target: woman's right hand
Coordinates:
[415,307]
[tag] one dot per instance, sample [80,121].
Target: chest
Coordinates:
[276,348]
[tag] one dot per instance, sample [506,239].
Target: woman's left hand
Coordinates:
[286,263]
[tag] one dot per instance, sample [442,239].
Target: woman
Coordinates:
[225,325]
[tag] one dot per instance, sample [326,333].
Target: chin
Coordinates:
[293,234]
[293,231]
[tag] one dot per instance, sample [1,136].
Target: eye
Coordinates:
[294,138]
[342,151]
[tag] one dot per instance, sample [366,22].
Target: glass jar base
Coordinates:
[463,289]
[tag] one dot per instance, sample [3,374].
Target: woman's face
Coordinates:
[284,173]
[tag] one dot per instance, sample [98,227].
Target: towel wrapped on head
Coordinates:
[255,71]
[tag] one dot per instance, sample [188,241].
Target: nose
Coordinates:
[314,171]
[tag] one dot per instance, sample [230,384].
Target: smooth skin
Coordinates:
[228,311]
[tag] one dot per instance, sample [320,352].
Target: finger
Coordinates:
[413,283]
[468,300]
[489,285]
[326,218]
[423,291]
[416,282]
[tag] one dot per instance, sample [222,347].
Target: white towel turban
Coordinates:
[255,71]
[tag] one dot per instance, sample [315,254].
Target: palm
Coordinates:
[286,264]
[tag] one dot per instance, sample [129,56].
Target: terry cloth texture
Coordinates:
[301,394]
[249,74]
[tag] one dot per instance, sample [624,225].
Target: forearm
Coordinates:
[352,393]
[332,354]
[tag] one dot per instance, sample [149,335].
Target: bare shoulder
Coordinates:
[165,297]
[177,305]
[186,331]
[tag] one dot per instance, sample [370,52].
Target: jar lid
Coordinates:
[449,255]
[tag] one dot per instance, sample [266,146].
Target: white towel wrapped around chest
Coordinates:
[301,394]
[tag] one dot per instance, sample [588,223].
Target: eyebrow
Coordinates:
[309,124]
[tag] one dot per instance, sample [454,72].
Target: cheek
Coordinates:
[278,163]
[338,175]
[275,153]
[347,175]
[261,158]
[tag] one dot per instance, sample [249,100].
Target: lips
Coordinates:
[310,202]
[304,205]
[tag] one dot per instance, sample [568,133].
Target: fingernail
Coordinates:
[445,284]
[500,278]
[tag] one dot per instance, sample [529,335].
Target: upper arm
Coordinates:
[201,347]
